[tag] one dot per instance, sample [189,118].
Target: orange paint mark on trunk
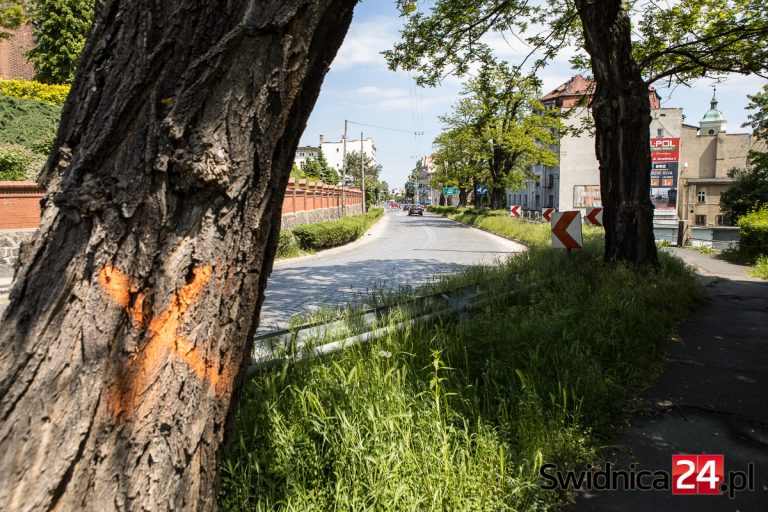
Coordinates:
[163,340]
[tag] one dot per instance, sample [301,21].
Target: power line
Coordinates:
[390,129]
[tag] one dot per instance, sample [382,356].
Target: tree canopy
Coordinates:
[317,169]
[11,16]
[678,41]
[60,28]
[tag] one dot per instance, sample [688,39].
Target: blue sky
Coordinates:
[360,88]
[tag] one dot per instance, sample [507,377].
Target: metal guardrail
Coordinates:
[296,342]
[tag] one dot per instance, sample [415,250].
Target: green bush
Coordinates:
[753,228]
[287,247]
[30,90]
[28,123]
[338,232]
[18,163]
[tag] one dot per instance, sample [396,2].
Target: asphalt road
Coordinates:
[399,251]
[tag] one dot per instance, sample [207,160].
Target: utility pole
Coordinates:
[362,168]
[343,165]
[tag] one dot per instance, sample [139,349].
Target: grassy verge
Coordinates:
[310,238]
[460,415]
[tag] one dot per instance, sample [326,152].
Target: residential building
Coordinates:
[707,154]
[304,154]
[425,194]
[334,151]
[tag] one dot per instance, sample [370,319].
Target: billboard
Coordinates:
[586,196]
[665,149]
[665,155]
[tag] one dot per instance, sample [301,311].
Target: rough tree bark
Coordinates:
[622,115]
[125,342]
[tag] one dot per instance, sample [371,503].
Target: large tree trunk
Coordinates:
[622,116]
[130,323]
[498,198]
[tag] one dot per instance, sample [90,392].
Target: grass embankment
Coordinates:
[309,238]
[753,247]
[461,414]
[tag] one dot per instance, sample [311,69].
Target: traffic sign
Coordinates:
[566,230]
[595,216]
[481,190]
[450,191]
[547,213]
[514,210]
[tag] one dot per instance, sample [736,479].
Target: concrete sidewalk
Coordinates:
[711,397]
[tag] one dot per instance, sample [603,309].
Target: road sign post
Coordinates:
[514,210]
[566,230]
[595,216]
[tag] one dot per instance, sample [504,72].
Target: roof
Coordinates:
[713,114]
[568,94]
[577,86]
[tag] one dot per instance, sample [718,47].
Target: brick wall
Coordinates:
[13,63]
[19,204]
[304,203]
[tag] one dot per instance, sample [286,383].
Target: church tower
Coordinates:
[713,121]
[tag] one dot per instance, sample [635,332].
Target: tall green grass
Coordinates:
[461,414]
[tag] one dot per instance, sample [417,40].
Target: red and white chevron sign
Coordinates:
[515,211]
[566,230]
[547,213]
[595,216]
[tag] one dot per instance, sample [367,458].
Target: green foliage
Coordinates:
[372,169]
[60,30]
[287,246]
[318,170]
[690,39]
[11,16]
[753,228]
[497,131]
[761,268]
[334,233]
[438,418]
[297,172]
[18,163]
[758,120]
[749,190]
[28,123]
[31,90]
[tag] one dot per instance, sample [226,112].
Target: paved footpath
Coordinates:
[711,397]
[398,251]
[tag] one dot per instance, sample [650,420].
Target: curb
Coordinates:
[366,237]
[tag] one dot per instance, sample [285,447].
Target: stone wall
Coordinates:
[291,220]
[10,239]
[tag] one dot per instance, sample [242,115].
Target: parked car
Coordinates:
[416,209]
[406,206]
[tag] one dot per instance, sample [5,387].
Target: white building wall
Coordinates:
[334,151]
[303,154]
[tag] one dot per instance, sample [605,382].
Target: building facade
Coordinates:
[305,154]
[334,151]
[707,154]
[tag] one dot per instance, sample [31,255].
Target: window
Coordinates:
[710,132]
[660,132]
[537,200]
[720,220]
[551,201]
[701,220]
[701,196]
[301,154]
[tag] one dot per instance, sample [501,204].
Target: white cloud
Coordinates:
[364,43]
